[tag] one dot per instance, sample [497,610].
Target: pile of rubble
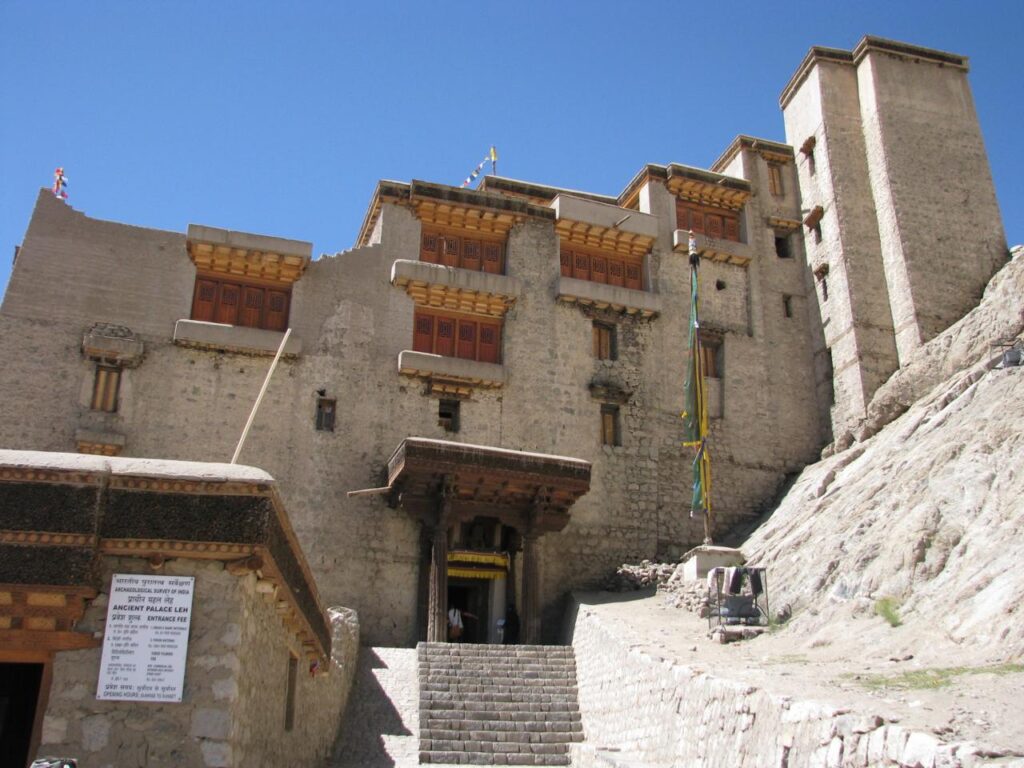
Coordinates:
[667,578]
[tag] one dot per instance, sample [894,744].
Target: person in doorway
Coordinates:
[456,627]
[511,625]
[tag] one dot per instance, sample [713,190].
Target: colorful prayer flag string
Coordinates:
[60,181]
[492,158]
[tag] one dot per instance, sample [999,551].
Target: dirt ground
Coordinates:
[844,668]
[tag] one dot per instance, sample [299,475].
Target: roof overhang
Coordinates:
[771,151]
[540,194]
[517,486]
[246,255]
[689,183]
[447,206]
[604,227]
[67,510]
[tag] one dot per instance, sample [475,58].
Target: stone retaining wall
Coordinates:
[642,710]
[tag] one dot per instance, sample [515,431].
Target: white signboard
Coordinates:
[146,638]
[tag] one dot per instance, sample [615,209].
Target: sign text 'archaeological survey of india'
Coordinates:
[146,638]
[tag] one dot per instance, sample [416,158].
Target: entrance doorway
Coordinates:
[19,696]
[471,596]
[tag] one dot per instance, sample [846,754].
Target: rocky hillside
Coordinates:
[920,512]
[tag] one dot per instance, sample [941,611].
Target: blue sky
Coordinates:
[279,118]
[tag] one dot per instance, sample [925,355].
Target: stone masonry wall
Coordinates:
[855,315]
[657,712]
[941,232]
[191,404]
[232,710]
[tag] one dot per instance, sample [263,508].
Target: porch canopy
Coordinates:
[444,483]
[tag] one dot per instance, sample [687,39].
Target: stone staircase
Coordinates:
[497,704]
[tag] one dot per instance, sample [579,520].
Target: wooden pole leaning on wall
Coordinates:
[259,397]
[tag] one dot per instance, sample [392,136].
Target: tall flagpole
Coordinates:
[696,409]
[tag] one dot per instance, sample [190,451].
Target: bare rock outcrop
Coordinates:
[973,341]
[924,515]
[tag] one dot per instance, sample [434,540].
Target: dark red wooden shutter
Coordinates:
[423,333]
[599,269]
[493,261]
[251,312]
[697,220]
[581,266]
[276,317]
[615,272]
[732,228]
[429,248]
[471,254]
[682,216]
[445,337]
[566,260]
[714,222]
[205,302]
[467,339]
[490,336]
[227,307]
[450,257]
[633,279]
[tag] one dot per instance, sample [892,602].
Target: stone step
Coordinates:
[494,747]
[522,737]
[503,706]
[486,670]
[472,721]
[539,718]
[495,658]
[565,665]
[435,675]
[489,758]
[516,696]
[497,705]
[497,650]
[491,687]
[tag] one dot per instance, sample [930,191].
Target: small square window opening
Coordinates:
[448,415]
[782,247]
[325,410]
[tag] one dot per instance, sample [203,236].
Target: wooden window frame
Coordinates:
[701,219]
[225,285]
[611,430]
[775,185]
[605,267]
[449,249]
[106,388]
[326,413]
[460,321]
[605,341]
[711,348]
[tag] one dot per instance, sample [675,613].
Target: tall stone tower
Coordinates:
[902,226]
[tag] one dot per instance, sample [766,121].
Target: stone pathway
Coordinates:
[381,727]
